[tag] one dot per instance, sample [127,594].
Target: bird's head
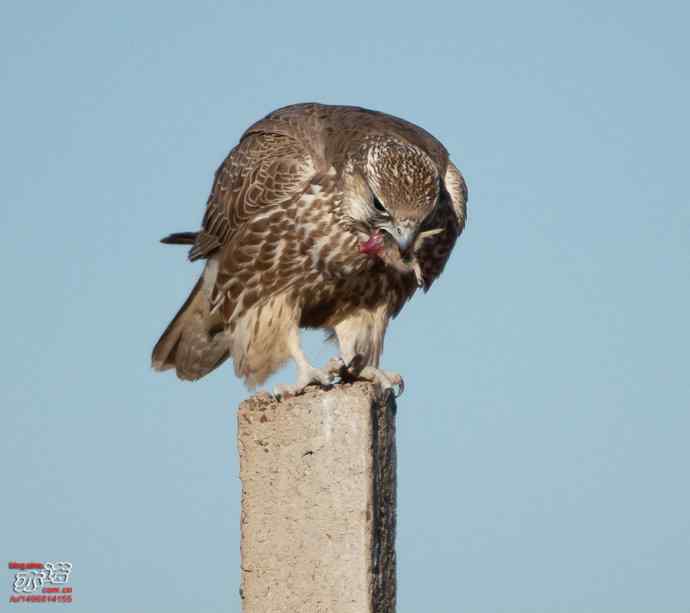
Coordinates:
[394,189]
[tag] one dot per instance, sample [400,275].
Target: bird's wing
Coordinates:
[264,170]
[456,187]
[451,216]
[278,249]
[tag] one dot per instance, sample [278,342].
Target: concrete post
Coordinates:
[318,502]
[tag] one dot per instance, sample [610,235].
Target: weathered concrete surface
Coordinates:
[318,502]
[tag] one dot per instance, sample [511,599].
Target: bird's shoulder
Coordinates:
[265,170]
[450,216]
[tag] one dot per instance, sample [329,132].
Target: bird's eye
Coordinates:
[378,206]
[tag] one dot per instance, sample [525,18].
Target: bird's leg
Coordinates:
[306,373]
[355,365]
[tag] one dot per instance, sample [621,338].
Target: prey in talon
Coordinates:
[327,217]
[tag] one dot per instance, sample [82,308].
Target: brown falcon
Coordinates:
[321,217]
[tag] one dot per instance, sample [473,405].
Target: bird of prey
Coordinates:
[324,217]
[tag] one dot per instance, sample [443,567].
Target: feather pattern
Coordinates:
[289,209]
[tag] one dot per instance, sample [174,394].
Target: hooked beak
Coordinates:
[405,236]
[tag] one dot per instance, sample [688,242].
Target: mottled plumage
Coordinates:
[321,217]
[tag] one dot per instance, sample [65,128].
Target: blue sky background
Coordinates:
[543,439]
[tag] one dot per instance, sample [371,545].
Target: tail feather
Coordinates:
[163,356]
[180,238]
[195,342]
